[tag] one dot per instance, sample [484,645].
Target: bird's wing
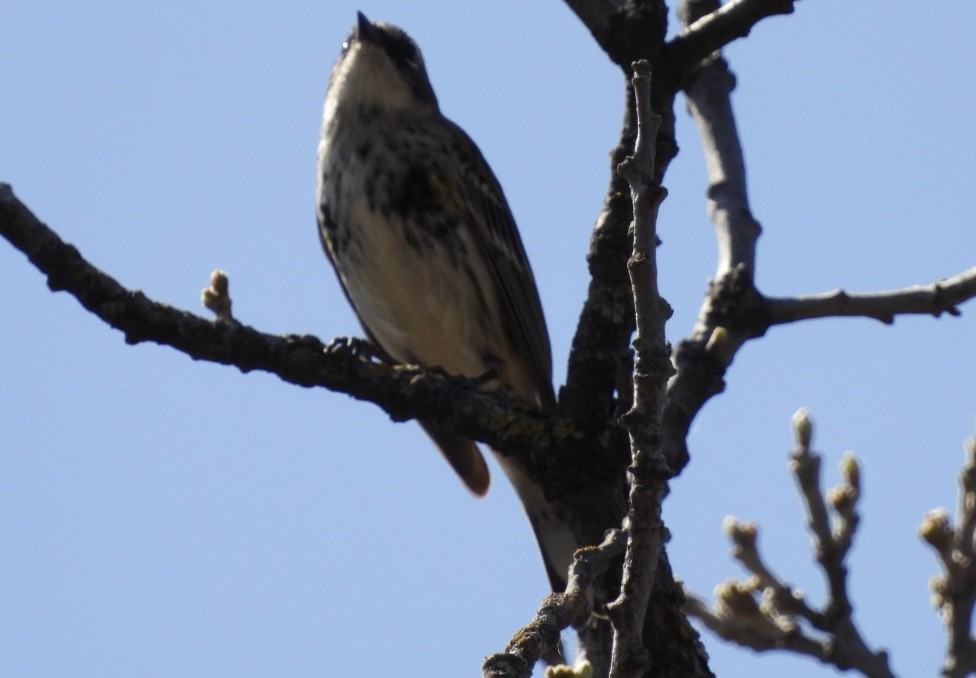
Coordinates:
[498,238]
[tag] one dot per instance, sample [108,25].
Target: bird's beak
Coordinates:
[364,29]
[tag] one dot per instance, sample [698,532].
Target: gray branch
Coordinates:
[734,311]
[344,365]
[955,591]
[557,612]
[701,359]
[943,296]
[765,613]
[709,26]
[652,367]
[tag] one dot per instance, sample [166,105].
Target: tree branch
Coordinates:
[600,362]
[652,367]
[738,618]
[765,613]
[557,612]
[943,296]
[579,468]
[627,30]
[709,26]
[702,358]
[343,365]
[954,593]
[734,311]
[830,545]
[596,15]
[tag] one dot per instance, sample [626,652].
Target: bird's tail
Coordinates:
[556,541]
[552,531]
[464,457]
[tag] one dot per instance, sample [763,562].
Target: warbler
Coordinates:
[426,249]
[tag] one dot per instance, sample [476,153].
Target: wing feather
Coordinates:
[501,247]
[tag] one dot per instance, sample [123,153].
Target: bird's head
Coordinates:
[381,66]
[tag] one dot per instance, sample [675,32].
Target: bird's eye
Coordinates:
[406,52]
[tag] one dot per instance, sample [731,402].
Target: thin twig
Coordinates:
[734,311]
[557,612]
[943,296]
[765,613]
[708,32]
[954,593]
[700,359]
[652,368]
[738,617]
[745,541]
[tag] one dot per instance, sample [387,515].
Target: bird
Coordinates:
[426,250]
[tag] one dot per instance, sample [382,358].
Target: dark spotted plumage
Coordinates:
[426,249]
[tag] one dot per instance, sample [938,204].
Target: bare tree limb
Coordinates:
[782,619]
[954,593]
[734,311]
[596,15]
[709,26]
[557,612]
[627,30]
[831,543]
[736,231]
[738,618]
[586,474]
[600,362]
[943,296]
[701,360]
[652,367]
[343,365]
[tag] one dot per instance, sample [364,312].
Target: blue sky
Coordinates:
[164,517]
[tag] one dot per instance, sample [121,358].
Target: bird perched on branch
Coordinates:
[426,249]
